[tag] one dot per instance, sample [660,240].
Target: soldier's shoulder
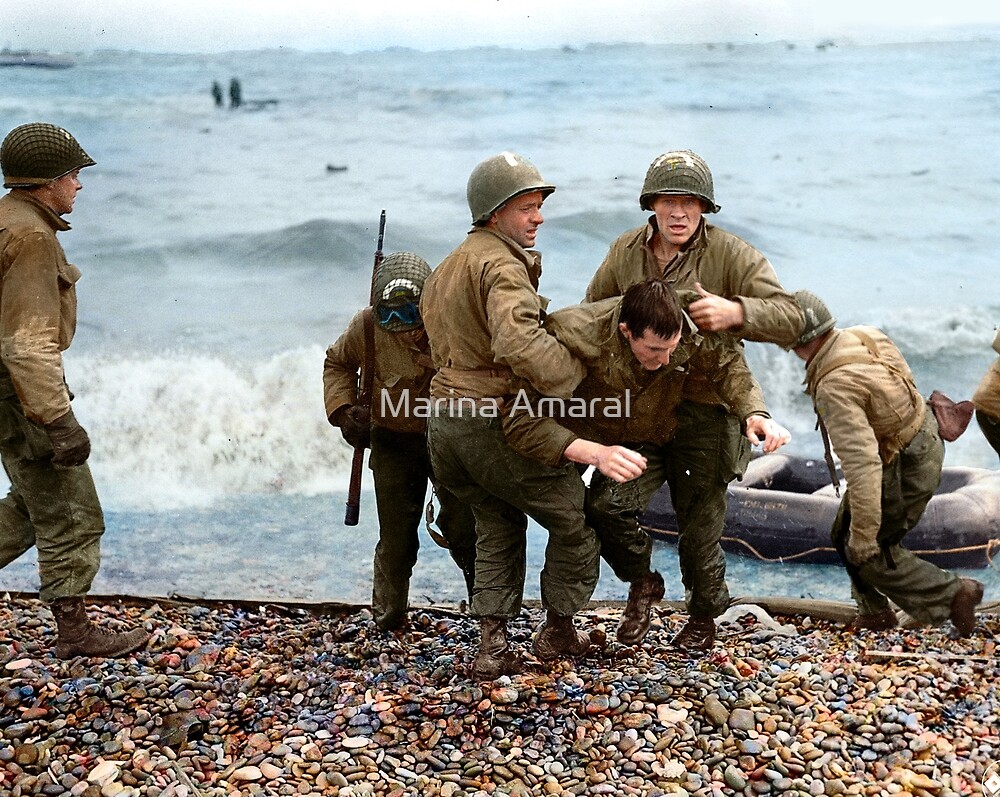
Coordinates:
[631,237]
[21,217]
[720,237]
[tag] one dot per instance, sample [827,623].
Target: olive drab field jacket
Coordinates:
[483,315]
[864,391]
[402,375]
[725,265]
[987,395]
[37,307]
[619,401]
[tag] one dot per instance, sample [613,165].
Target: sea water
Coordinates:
[223,250]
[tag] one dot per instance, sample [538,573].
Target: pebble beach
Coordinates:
[291,699]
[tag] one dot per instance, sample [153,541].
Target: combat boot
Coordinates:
[642,594]
[78,636]
[495,656]
[698,634]
[559,638]
[963,605]
[877,621]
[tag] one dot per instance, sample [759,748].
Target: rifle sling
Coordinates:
[368,367]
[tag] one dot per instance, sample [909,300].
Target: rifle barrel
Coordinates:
[353,511]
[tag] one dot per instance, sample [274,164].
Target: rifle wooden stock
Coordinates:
[353,511]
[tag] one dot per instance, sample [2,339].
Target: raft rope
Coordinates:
[990,545]
[987,547]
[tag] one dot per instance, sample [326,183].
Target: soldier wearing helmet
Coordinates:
[483,316]
[891,455]
[639,349]
[52,504]
[395,429]
[737,294]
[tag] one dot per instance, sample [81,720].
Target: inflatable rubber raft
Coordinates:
[783,510]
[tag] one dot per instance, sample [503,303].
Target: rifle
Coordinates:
[365,393]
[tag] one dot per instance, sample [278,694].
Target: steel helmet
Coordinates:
[38,153]
[399,282]
[499,179]
[679,171]
[818,317]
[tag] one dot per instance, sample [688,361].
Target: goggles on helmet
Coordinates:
[407,314]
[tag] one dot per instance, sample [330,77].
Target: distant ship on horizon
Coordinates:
[37,58]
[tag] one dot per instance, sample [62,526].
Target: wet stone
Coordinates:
[742,719]
[18,730]
[716,713]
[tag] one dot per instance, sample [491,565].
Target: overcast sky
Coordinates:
[352,25]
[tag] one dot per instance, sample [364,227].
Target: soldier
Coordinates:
[638,350]
[396,431]
[739,294]
[235,93]
[52,504]
[891,454]
[987,401]
[483,317]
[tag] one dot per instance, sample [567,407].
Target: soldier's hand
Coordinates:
[616,462]
[714,313]
[620,463]
[861,550]
[767,431]
[355,425]
[70,443]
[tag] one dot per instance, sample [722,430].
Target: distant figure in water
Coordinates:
[52,505]
[217,93]
[235,93]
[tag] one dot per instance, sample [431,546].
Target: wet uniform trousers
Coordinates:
[707,452]
[921,589]
[470,455]
[55,510]
[401,470]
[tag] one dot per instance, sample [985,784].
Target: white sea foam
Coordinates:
[188,430]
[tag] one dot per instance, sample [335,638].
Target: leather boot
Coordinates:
[642,594]
[879,621]
[495,656]
[78,636]
[699,634]
[559,638]
[963,605]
